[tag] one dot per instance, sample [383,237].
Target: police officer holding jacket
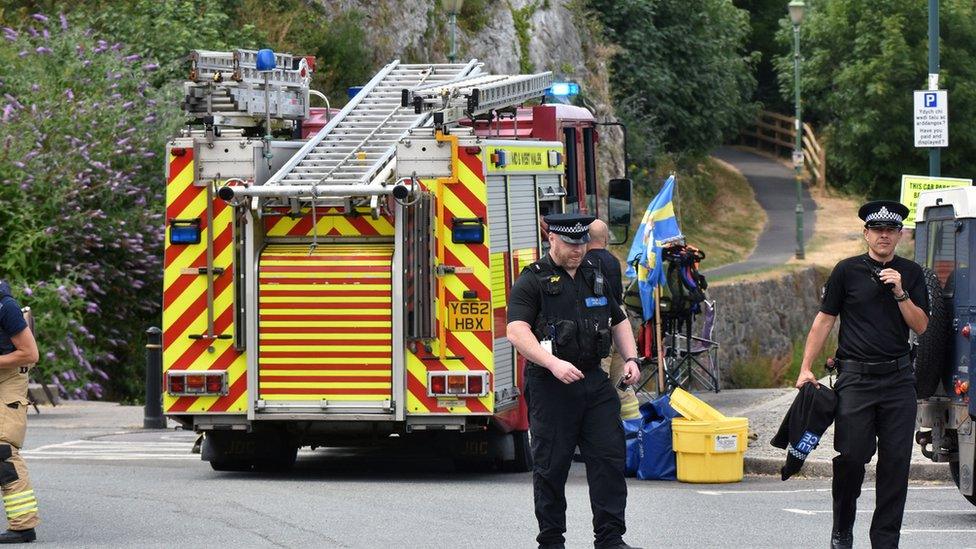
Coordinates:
[562,317]
[879,298]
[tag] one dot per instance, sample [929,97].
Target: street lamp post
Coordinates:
[453,8]
[796,8]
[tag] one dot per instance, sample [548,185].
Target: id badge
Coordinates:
[596,301]
[547,345]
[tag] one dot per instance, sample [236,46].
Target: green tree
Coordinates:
[765,17]
[862,60]
[682,67]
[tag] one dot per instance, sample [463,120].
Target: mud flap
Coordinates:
[967,457]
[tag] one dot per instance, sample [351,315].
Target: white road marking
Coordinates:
[754,492]
[936,531]
[114,450]
[867,511]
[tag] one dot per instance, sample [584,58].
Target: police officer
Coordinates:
[561,318]
[879,298]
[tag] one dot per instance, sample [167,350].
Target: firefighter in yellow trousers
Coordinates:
[18,351]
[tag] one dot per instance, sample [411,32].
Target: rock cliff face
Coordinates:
[508,36]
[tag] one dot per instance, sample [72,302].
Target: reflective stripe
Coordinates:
[26,504]
[7,500]
[32,509]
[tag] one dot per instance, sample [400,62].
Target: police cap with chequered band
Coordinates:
[883,213]
[572,228]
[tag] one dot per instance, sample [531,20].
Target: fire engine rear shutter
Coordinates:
[325,323]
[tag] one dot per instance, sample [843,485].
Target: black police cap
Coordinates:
[573,228]
[883,213]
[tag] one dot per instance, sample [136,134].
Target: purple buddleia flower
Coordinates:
[40,17]
[131,58]
[43,50]
[69,94]
[7,111]
[23,53]
[64,21]
[149,67]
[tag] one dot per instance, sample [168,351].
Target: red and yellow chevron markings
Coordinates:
[325,322]
[463,195]
[328,222]
[185,295]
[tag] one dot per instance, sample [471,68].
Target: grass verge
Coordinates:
[716,209]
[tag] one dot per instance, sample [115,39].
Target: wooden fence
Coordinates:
[776,133]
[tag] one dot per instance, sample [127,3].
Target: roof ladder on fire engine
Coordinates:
[475,96]
[356,147]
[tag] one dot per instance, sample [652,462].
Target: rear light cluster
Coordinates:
[210,382]
[463,384]
[961,387]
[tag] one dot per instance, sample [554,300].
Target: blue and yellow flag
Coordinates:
[658,226]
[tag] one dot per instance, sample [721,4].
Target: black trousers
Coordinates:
[585,413]
[874,411]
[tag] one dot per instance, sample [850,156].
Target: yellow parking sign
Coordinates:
[912,185]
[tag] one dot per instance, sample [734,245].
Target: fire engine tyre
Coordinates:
[930,357]
[262,452]
[522,462]
[954,471]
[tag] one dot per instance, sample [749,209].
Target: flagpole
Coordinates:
[660,346]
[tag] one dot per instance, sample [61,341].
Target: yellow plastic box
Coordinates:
[710,451]
[693,408]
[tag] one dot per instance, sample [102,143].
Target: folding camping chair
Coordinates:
[697,356]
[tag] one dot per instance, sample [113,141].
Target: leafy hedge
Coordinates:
[81,227]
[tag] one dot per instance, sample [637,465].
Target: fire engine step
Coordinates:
[325,323]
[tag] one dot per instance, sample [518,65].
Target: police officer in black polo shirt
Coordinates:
[562,316]
[879,297]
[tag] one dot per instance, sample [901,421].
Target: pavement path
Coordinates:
[775,188]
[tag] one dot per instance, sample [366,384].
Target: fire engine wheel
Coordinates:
[523,454]
[930,358]
[240,466]
[954,471]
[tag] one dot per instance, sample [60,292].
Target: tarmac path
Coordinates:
[775,188]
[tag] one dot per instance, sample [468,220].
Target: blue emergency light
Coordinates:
[184,231]
[467,230]
[563,89]
[265,60]
[353,91]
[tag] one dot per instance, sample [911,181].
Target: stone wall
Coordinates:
[765,315]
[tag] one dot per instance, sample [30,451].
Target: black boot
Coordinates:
[842,540]
[18,536]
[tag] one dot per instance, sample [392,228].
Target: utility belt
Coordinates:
[874,368]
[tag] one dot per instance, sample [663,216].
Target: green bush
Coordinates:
[81,231]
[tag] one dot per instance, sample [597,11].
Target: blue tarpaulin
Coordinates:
[654,451]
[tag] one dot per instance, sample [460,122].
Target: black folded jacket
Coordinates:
[809,416]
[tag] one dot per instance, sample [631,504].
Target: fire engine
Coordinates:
[341,278]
